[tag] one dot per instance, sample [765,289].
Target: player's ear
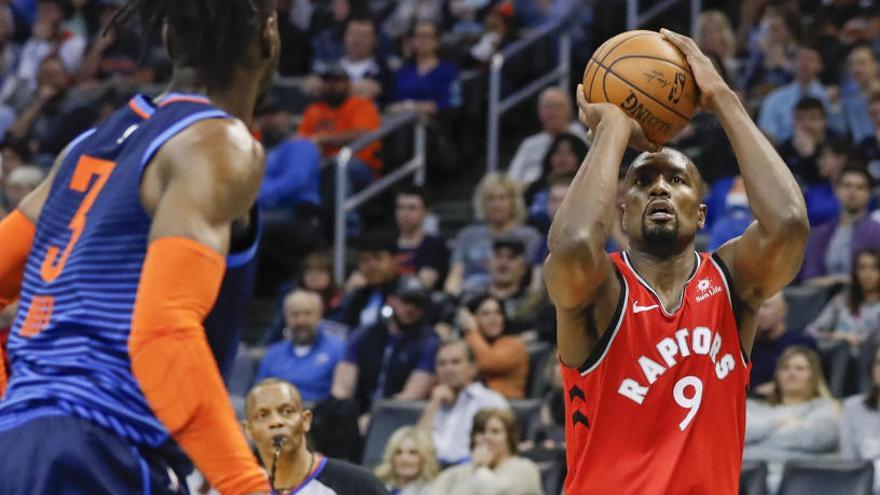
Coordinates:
[623,218]
[307,417]
[246,428]
[701,215]
[270,40]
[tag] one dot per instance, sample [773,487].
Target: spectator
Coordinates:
[769,64]
[418,252]
[409,13]
[548,431]
[508,282]
[854,105]
[308,355]
[860,425]
[736,218]
[455,401]
[563,159]
[870,146]
[370,77]
[800,420]
[340,118]
[502,360]
[497,32]
[556,116]
[779,106]
[494,467]
[290,197]
[370,285]
[822,204]
[832,246]
[317,276]
[327,30]
[425,84]
[275,411]
[409,463]
[801,151]
[850,322]
[465,16]
[114,55]
[500,208]
[772,338]
[715,37]
[392,358]
[296,58]
[19,184]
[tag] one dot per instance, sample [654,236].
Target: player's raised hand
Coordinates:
[591,114]
[708,79]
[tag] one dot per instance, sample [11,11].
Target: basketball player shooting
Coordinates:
[117,258]
[655,341]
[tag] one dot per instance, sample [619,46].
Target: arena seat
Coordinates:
[804,305]
[526,411]
[538,354]
[825,477]
[387,416]
[753,478]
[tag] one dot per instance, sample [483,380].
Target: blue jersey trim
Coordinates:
[145,472]
[176,128]
[235,260]
[321,465]
[82,137]
[15,419]
[143,107]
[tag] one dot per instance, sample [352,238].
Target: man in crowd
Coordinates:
[455,401]
[393,357]
[556,116]
[307,356]
[771,339]
[277,420]
[418,252]
[375,278]
[830,249]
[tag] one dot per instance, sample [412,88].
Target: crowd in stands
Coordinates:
[459,323]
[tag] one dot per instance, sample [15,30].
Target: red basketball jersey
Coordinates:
[659,405]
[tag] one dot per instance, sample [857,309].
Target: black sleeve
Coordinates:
[345,478]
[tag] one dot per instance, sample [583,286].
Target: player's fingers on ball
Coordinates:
[581,97]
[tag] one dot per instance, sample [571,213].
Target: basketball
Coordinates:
[646,76]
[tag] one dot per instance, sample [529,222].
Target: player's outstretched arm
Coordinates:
[769,254]
[199,182]
[578,266]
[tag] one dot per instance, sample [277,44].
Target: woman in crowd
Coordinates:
[502,360]
[563,158]
[409,463]
[860,426]
[800,420]
[494,469]
[851,320]
[548,431]
[500,210]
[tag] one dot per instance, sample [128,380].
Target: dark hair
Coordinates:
[855,294]
[468,350]
[855,169]
[321,259]
[578,147]
[211,36]
[507,418]
[872,398]
[473,305]
[808,103]
[414,190]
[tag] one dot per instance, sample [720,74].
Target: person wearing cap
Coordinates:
[508,282]
[376,277]
[394,357]
[339,117]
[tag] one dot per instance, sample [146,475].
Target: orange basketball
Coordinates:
[646,76]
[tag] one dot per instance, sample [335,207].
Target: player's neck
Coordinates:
[293,469]
[238,99]
[665,273]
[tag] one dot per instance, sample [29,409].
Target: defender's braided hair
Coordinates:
[211,36]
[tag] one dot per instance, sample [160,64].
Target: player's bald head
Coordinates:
[672,157]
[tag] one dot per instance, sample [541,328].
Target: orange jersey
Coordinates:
[659,407]
[355,114]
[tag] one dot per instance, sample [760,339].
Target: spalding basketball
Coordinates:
[646,76]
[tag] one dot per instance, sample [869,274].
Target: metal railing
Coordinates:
[497,106]
[414,166]
[634,19]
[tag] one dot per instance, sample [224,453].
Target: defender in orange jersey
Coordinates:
[655,341]
[117,259]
